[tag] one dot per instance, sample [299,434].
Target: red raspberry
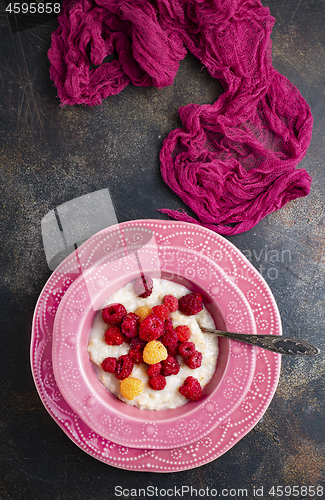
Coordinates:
[183,333]
[130,325]
[154,370]
[113,314]
[173,349]
[143,286]
[186,349]
[171,303]
[136,356]
[168,325]
[124,367]
[158,383]
[137,344]
[151,328]
[161,311]
[190,304]
[191,389]
[169,339]
[194,361]
[113,336]
[170,366]
[109,365]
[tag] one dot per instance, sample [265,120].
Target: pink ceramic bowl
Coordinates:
[116,266]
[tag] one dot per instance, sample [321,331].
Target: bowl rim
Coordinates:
[192,407]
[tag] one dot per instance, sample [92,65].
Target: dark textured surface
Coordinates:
[50,155]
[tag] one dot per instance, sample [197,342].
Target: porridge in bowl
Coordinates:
[147,347]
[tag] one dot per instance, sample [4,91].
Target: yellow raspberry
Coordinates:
[131,387]
[154,352]
[143,312]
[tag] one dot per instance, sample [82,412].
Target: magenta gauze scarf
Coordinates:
[234,161]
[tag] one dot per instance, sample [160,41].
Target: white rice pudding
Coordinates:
[170,396]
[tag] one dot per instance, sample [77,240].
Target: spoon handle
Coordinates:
[274,343]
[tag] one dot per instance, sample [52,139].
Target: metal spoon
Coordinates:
[274,343]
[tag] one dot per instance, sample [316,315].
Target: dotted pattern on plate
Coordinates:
[70,375]
[226,435]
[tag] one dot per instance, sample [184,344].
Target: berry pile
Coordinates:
[153,340]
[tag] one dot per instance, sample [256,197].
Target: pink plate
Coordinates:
[74,373]
[224,436]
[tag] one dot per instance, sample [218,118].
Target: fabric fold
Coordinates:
[232,162]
